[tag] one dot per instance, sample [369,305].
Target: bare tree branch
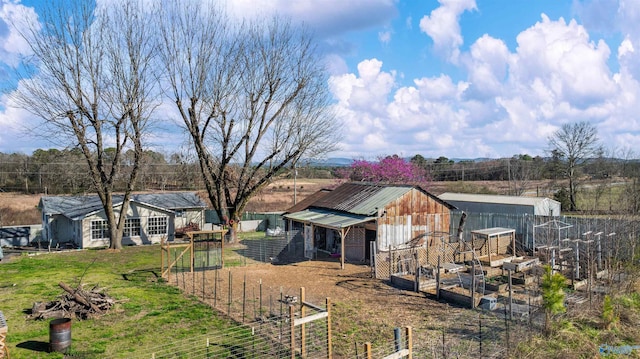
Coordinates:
[90,80]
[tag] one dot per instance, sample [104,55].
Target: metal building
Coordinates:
[482,203]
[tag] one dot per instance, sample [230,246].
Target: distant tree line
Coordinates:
[54,171]
[64,171]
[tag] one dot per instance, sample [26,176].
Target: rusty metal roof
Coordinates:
[361,198]
[308,201]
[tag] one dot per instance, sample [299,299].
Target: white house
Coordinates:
[80,221]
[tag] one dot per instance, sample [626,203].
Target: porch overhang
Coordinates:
[328,219]
[338,221]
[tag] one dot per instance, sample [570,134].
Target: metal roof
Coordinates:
[308,201]
[76,207]
[327,218]
[485,198]
[361,198]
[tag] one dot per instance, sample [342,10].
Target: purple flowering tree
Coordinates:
[390,169]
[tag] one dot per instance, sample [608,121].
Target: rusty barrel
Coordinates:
[60,335]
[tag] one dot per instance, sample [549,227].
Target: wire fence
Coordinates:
[260,339]
[261,325]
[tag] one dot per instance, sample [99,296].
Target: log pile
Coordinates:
[79,303]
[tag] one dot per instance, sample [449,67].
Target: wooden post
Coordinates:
[367,350]
[510,295]
[438,279]
[489,246]
[342,239]
[416,286]
[303,336]
[473,285]
[222,234]
[161,256]
[192,251]
[409,338]
[292,331]
[329,343]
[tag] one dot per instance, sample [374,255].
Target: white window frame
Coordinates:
[131,228]
[100,227]
[158,225]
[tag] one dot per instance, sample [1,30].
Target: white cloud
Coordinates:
[487,67]
[442,25]
[13,17]
[558,53]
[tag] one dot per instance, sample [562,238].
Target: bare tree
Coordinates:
[521,171]
[91,83]
[575,142]
[252,96]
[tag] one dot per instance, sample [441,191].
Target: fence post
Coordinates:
[367,350]
[203,280]
[329,341]
[215,289]
[480,332]
[397,343]
[230,289]
[292,331]
[510,295]
[244,296]
[303,336]
[409,341]
[438,279]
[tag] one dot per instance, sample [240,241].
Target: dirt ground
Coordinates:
[364,309]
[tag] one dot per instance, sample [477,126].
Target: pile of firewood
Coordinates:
[79,303]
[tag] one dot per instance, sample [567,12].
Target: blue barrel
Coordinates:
[60,335]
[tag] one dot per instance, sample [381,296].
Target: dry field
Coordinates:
[20,209]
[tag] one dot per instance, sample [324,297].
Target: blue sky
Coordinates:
[454,78]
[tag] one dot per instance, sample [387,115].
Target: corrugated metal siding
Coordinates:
[409,218]
[477,207]
[541,206]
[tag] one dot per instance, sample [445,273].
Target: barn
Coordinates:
[344,222]
[80,221]
[482,203]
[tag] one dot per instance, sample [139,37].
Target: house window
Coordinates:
[131,227]
[99,230]
[179,213]
[157,225]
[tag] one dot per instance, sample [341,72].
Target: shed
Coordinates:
[482,203]
[346,220]
[80,221]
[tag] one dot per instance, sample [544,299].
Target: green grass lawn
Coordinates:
[148,311]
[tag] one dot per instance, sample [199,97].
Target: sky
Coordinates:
[453,78]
